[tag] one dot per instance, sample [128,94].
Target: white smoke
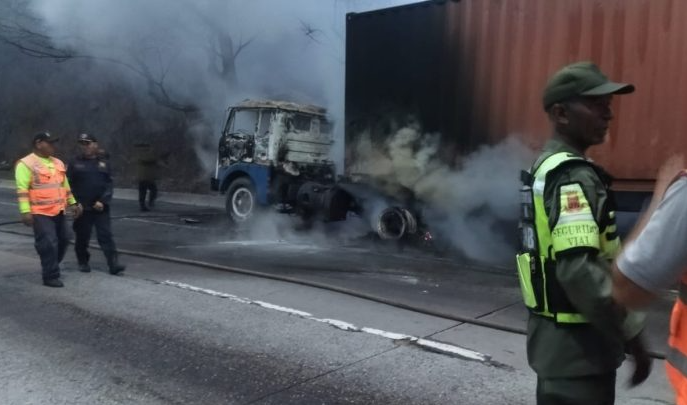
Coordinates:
[294,49]
[470,204]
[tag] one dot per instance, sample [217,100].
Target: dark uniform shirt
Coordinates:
[148,165]
[90,180]
[563,351]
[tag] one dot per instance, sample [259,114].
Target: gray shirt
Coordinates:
[658,257]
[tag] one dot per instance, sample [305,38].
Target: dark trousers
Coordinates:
[83,226]
[143,187]
[589,390]
[51,243]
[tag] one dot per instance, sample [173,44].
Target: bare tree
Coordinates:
[221,49]
[25,32]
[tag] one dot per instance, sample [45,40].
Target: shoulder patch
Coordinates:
[573,199]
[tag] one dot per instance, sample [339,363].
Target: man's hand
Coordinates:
[98,206]
[640,357]
[27,219]
[77,210]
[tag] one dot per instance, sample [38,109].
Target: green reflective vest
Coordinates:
[575,229]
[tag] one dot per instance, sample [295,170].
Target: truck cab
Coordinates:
[273,153]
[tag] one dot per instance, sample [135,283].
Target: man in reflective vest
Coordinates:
[44,194]
[657,260]
[576,335]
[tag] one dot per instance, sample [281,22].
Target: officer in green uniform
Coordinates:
[576,336]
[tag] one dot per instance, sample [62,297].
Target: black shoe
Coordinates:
[145,209]
[84,268]
[117,268]
[151,204]
[54,282]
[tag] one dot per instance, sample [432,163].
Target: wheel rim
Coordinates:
[242,203]
[391,224]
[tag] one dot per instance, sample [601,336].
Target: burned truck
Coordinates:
[276,155]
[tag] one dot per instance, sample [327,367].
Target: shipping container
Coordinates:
[474,71]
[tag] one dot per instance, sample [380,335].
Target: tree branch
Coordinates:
[242,46]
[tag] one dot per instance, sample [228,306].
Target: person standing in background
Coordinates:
[148,165]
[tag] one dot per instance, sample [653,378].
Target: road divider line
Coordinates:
[431,345]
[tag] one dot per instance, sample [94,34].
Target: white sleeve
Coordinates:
[658,257]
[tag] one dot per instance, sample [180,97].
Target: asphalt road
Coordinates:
[173,333]
[176,334]
[337,256]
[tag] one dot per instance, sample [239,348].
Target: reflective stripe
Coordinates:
[546,166]
[48,202]
[678,360]
[571,318]
[45,186]
[576,218]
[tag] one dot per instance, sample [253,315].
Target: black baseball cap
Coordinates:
[86,138]
[44,137]
[581,79]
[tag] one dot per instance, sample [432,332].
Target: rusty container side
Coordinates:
[485,62]
[514,45]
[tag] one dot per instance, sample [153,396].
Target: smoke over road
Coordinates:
[193,56]
[470,204]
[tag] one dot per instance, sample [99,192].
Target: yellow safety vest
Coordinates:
[574,229]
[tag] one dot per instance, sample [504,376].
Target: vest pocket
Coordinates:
[531,281]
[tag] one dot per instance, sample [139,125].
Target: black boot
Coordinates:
[115,266]
[53,282]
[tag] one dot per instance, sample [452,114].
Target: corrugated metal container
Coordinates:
[475,69]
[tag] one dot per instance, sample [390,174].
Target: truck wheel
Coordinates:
[241,200]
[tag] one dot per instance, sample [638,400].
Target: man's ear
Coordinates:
[559,114]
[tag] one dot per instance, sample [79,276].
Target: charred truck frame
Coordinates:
[277,154]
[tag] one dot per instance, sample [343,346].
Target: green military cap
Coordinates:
[581,79]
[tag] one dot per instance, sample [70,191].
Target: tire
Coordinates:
[242,201]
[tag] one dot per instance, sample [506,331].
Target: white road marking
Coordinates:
[10,204]
[282,309]
[446,348]
[435,346]
[388,335]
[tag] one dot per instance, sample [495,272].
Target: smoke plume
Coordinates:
[193,54]
[471,204]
